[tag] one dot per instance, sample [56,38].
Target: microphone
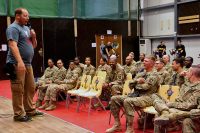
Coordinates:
[29,25]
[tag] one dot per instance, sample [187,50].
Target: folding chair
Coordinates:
[102,74]
[167,92]
[129,76]
[94,92]
[84,87]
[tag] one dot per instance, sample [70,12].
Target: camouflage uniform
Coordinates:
[89,70]
[67,84]
[130,69]
[59,75]
[180,109]
[176,79]
[80,68]
[48,75]
[191,125]
[140,66]
[143,100]
[145,91]
[164,77]
[168,68]
[185,69]
[42,85]
[106,68]
[116,77]
[133,63]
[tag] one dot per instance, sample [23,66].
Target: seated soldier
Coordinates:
[144,85]
[177,66]
[130,67]
[164,76]
[168,67]
[59,76]
[139,64]
[79,65]
[131,54]
[114,84]
[183,105]
[177,79]
[67,84]
[188,63]
[87,70]
[44,81]
[191,125]
[103,67]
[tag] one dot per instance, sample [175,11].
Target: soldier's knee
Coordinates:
[127,102]
[114,98]
[131,101]
[187,122]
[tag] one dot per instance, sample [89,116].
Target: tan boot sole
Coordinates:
[50,109]
[117,130]
[43,107]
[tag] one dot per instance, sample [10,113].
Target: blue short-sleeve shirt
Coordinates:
[21,35]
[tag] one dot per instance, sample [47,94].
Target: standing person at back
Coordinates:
[21,42]
[180,49]
[161,49]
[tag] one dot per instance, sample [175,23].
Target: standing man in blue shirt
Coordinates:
[21,42]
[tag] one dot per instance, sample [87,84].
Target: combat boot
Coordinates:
[38,103]
[116,127]
[45,105]
[163,119]
[129,128]
[52,106]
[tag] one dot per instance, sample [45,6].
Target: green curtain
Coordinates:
[36,8]
[65,8]
[84,9]
[3,7]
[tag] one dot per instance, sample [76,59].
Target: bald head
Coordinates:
[113,57]
[128,60]
[166,59]
[19,11]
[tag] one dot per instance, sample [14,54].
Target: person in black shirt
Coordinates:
[161,49]
[180,49]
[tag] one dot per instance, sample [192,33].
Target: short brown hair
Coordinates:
[151,57]
[179,61]
[18,11]
[88,58]
[161,60]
